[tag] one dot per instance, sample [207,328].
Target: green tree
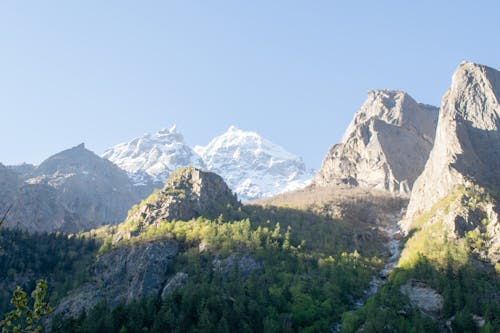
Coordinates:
[27,314]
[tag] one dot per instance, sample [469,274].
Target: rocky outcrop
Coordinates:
[174,283]
[423,297]
[467,145]
[122,275]
[188,193]
[385,146]
[243,264]
[460,183]
[71,191]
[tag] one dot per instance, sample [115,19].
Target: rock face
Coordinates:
[421,296]
[188,193]
[151,158]
[71,191]
[122,275]
[467,145]
[243,264]
[253,166]
[385,146]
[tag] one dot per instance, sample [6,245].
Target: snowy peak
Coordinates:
[154,155]
[236,141]
[253,166]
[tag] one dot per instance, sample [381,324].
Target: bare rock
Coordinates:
[71,191]
[188,193]
[244,264]
[174,283]
[428,300]
[467,145]
[122,275]
[385,146]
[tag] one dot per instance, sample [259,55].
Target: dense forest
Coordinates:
[307,275]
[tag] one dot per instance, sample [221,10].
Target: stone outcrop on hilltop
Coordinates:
[385,146]
[188,193]
[467,145]
[460,183]
[70,191]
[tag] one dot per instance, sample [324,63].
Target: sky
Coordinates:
[104,72]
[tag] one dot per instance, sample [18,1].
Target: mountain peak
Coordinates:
[385,146]
[467,147]
[253,166]
[154,156]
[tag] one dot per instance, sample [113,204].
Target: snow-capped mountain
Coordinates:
[253,166]
[153,157]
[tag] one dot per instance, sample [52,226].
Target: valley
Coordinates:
[398,231]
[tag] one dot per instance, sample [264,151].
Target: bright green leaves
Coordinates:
[27,313]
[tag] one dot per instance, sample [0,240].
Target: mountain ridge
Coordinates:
[253,166]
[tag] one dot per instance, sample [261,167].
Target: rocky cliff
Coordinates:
[467,145]
[188,193]
[458,189]
[123,275]
[385,146]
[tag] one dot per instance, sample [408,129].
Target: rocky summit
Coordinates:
[188,193]
[385,146]
[467,145]
[458,189]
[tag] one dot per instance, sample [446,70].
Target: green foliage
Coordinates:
[309,275]
[60,260]
[436,255]
[289,293]
[27,313]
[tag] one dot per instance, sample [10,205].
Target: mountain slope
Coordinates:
[385,146]
[71,191]
[447,276]
[253,166]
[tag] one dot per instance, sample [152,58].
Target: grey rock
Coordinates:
[466,154]
[23,169]
[174,283]
[421,296]
[385,146]
[188,193]
[71,191]
[467,145]
[122,275]
[244,264]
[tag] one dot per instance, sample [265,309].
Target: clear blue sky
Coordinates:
[103,72]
